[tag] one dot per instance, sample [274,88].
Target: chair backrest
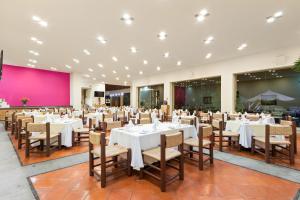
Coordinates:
[286,122]
[233,116]
[188,120]
[216,124]
[278,129]
[218,116]
[95,138]
[144,116]
[37,127]
[110,125]
[108,117]
[144,121]
[121,114]
[253,117]
[172,139]
[24,121]
[205,131]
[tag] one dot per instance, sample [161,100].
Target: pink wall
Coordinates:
[42,87]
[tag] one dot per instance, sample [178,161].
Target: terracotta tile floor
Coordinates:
[247,153]
[222,181]
[35,158]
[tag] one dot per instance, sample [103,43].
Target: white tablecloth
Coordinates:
[247,129]
[98,116]
[143,137]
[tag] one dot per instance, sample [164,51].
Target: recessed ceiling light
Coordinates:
[162,35]
[117,78]
[100,65]
[158,68]
[274,17]
[128,75]
[31,65]
[201,16]
[76,60]
[32,61]
[34,53]
[94,79]
[179,63]
[39,21]
[102,82]
[208,56]
[90,69]
[166,55]
[242,46]
[133,50]
[53,68]
[127,19]
[34,39]
[87,76]
[126,68]
[114,58]
[86,52]
[208,40]
[103,75]
[145,62]
[68,66]
[114,71]
[141,72]
[101,39]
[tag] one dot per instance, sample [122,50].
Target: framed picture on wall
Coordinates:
[207,100]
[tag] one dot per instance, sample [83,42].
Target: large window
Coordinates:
[272,91]
[202,94]
[151,96]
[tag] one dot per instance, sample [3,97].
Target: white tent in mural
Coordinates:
[279,96]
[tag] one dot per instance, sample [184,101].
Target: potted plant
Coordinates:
[24,101]
[296,66]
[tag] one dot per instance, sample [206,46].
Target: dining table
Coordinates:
[147,136]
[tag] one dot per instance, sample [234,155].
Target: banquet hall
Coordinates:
[173,100]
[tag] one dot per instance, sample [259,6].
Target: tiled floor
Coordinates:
[247,153]
[36,158]
[222,181]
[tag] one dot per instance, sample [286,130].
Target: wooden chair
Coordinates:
[17,119]
[222,135]
[107,126]
[188,120]
[8,120]
[42,135]
[21,130]
[233,116]
[205,140]
[80,135]
[121,116]
[163,155]
[253,117]
[108,155]
[14,123]
[267,144]
[204,117]
[294,126]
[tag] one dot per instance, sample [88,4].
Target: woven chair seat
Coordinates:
[110,150]
[272,140]
[195,142]
[204,124]
[227,133]
[82,130]
[155,153]
[42,136]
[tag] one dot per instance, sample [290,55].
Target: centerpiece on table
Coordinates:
[24,101]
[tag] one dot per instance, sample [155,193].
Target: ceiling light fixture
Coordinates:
[201,16]
[209,40]
[117,78]
[32,61]
[127,19]
[87,76]
[34,39]
[125,82]
[275,16]
[114,71]
[242,46]
[101,39]
[53,68]
[86,52]
[39,21]
[34,53]
[76,60]
[114,59]
[31,65]
[90,69]
[162,35]
[100,65]
[133,50]
[179,63]
[208,56]
[128,75]
[126,68]
[166,55]
[68,66]
[158,68]
[145,62]
[141,72]
[94,79]
[103,75]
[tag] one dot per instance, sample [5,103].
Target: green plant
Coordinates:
[24,100]
[296,66]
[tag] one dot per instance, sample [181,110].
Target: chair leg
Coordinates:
[48,148]
[252,146]
[200,159]
[220,143]
[59,141]
[273,150]
[91,163]
[20,142]
[211,153]
[27,146]
[181,167]
[163,176]
[73,138]
[191,149]
[292,154]
[267,153]
[129,171]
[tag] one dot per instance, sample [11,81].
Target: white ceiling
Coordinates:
[75,24]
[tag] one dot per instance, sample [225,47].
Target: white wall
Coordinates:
[226,69]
